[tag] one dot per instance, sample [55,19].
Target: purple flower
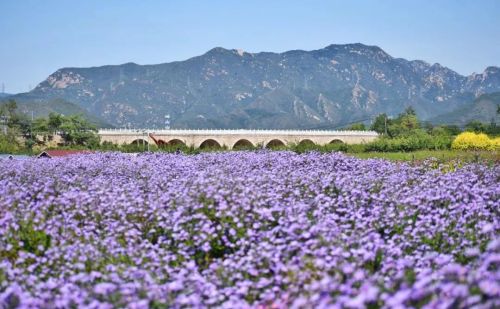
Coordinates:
[104,288]
[247,230]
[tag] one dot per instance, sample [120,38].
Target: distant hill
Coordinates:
[483,109]
[324,88]
[42,109]
[3,94]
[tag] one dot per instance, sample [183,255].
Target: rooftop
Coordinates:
[62,153]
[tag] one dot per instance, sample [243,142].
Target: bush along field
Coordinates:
[473,141]
[247,229]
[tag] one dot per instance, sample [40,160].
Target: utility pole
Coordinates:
[167,122]
[31,126]
[385,125]
[3,121]
[147,135]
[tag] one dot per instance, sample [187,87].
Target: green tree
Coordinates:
[410,111]
[10,112]
[427,126]
[476,127]
[54,122]
[48,127]
[11,107]
[357,127]
[41,125]
[12,125]
[493,129]
[41,130]
[439,131]
[77,131]
[380,123]
[17,123]
[404,124]
[452,129]
[8,144]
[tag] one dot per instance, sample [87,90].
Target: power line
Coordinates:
[330,126]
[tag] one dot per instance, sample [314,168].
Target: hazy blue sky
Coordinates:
[38,37]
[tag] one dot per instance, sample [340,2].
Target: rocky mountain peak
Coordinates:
[231,88]
[218,51]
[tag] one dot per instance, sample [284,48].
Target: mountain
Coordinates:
[60,106]
[3,94]
[483,109]
[223,88]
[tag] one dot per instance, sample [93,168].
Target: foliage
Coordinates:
[357,127]
[418,139]
[304,148]
[8,144]
[74,130]
[406,133]
[480,127]
[476,127]
[473,141]
[11,126]
[496,143]
[379,124]
[404,124]
[452,129]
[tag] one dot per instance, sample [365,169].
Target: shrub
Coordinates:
[473,141]
[496,143]
[8,144]
[418,140]
[356,148]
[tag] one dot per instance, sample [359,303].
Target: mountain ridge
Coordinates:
[231,88]
[59,106]
[483,109]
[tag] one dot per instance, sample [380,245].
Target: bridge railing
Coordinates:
[120,131]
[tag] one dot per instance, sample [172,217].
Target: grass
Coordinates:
[489,157]
[440,155]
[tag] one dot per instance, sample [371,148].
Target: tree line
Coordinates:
[408,122]
[22,132]
[407,133]
[402,133]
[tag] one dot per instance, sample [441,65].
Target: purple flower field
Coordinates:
[247,229]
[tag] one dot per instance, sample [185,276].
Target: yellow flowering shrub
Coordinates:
[495,143]
[473,141]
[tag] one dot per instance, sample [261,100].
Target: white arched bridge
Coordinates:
[230,139]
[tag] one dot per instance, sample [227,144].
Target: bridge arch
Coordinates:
[139,141]
[275,143]
[210,143]
[229,137]
[307,142]
[336,141]
[243,144]
[176,142]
